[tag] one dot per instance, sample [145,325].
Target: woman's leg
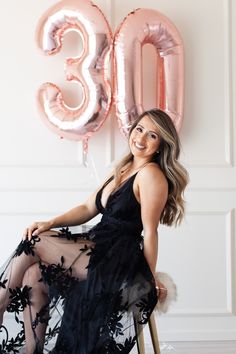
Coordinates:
[13,279]
[37,312]
[48,250]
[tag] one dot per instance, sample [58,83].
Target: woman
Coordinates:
[86,293]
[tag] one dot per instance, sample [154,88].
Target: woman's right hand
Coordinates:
[161,290]
[36,228]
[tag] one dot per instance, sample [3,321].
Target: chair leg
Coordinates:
[140,338]
[141,342]
[154,335]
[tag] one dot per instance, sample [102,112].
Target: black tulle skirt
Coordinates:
[81,293]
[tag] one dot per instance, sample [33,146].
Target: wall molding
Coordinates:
[228,94]
[228,88]
[229,310]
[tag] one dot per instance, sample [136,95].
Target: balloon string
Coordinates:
[85,152]
[98,179]
[87,157]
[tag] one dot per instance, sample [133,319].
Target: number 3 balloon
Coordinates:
[91,69]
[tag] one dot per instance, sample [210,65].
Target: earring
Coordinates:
[157,152]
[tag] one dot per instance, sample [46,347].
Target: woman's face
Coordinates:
[144,140]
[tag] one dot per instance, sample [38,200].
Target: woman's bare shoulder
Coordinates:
[152,173]
[151,184]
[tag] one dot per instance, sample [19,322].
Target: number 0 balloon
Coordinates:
[137,29]
[91,69]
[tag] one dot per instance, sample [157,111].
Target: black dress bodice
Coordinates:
[122,206]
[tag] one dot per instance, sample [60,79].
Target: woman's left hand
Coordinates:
[161,290]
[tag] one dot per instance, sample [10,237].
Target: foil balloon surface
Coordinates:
[90,69]
[140,27]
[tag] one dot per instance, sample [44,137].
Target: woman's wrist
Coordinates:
[154,273]
[52,223]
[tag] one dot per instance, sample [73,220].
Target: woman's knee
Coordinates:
[32,275]
[33,279]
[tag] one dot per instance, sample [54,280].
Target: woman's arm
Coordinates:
[76,216]
[153,193]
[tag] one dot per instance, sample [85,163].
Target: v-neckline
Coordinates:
[115,190]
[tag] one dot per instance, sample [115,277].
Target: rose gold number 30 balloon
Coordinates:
[90,69]
[138,28]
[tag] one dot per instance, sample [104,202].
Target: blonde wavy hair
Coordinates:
[167,159]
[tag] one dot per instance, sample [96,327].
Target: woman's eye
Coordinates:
[153,136]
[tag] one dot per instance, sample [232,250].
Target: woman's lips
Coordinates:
[139,146]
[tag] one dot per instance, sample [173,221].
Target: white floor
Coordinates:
[227,347]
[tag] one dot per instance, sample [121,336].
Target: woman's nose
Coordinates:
[142,137]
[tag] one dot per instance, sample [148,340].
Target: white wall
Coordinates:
[42,175]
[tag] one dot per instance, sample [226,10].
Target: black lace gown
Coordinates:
[99,284]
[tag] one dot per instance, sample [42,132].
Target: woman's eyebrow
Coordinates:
[150,131]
